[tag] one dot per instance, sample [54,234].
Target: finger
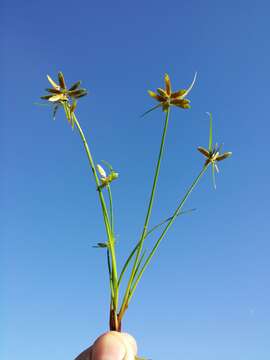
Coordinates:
[129,343]
[114,346]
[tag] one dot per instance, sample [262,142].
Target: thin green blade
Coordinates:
[152,109]
[210,132]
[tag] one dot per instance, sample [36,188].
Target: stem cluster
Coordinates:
[140,262]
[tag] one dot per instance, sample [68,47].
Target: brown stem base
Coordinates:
[115,324]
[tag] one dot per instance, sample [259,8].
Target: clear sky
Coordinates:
[207,293]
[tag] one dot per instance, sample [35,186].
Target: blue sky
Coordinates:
[206,295]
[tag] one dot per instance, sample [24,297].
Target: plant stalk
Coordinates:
[108,226]
[147,218]
[173,218]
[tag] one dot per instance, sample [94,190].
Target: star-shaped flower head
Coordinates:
[213,154]
[167,98]
[59,92]
[59,95]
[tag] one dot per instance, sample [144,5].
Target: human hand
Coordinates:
[112,345]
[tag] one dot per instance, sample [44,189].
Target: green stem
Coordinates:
[147,218]
[111,208]
[104,211]
[176,213]
[115,282]
[93,168]
[110,273]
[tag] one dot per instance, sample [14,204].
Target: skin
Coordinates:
[111,346]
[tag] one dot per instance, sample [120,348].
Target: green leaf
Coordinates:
[210,132]
[152,109]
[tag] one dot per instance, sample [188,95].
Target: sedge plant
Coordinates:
[60,96]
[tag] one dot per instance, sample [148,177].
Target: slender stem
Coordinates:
[176,213]
[147,218]
[105,214]
[92,165]
[110,273]
[111,208]
[115,281]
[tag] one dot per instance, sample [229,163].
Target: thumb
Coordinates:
[114,346]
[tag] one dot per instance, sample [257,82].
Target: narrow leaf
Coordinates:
[152,109]
[210,132]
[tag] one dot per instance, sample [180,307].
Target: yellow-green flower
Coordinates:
[59,92]
[104,178]
[166,97]
[213,153]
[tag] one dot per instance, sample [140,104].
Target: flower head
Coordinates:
[213,154]
[60,95]
[59,92]
[167,98]
[104,179]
